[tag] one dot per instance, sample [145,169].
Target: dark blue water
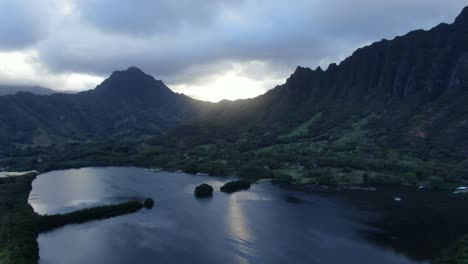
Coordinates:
[265,224]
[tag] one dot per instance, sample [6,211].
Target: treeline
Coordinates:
[7,180]
[18,232]
[235,186]
[49,222]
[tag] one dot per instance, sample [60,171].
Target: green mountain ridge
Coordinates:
[395,111]
[394,107]
[128,102]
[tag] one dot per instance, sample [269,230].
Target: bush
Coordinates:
[366,178]
[384,179]
[213,168]
[255,172]
[148,203]
[327,180]
[436,182]
[7,180]
[191,168]
[273,164]
[409,179]
[283,178]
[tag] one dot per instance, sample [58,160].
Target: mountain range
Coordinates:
[13,89]
[128,102]
[405,92]
[404,99]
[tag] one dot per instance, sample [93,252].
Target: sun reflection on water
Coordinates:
[243,239]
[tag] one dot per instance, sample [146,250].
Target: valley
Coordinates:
[362,224]
[345,125]
[368,157]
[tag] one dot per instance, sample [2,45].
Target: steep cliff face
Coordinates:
[422,64]
[406,92]
[413,87]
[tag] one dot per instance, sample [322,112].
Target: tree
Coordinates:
[327,179]
[436,182]
[203,190]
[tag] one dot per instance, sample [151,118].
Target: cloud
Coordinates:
[192,44]
[150,17]
[240,79]
[24,68]
[23,23]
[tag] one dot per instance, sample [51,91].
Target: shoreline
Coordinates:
[20,225]
[295,182]
[333,177]
[23,248]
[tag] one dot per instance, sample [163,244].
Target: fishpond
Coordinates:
[265,224]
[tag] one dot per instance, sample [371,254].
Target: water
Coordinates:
[4,174]
[265,224]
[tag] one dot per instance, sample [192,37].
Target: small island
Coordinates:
[148,203]
[235,186]
[203,190]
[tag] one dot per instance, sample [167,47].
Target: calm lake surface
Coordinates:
[265,224]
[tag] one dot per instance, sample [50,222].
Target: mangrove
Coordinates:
[235,186]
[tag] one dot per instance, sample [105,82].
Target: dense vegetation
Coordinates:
[20,225]
[148,203]
[116,107]
[234,186]
[203,190]
[18,230]
[50,222]
[457,254]
[297,160]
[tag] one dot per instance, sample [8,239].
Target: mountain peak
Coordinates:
[301,70]
[462,19]
[134,69]
[133,81]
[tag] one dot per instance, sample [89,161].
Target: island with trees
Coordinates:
[234,186]
[203,190]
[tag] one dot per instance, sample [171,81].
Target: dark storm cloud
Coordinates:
[22,23]
[169,38]
[149,16]
[184,41]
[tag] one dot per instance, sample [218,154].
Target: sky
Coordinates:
[210,50]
